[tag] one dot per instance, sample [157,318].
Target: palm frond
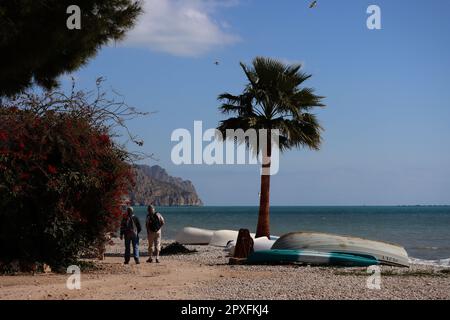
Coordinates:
[274,98]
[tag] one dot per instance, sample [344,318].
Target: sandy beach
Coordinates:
[207,275]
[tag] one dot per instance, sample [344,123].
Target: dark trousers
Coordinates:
[128,242]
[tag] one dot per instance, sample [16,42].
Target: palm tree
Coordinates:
[273,98]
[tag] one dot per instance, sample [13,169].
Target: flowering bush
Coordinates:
[62,177]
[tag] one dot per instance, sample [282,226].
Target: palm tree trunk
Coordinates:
[263,228]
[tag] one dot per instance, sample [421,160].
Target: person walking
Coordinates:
[130,229]
[154,223]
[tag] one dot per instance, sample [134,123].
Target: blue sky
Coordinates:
[387,133]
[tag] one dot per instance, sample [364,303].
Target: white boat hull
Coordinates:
[385,253]
[190,235]
[221,238]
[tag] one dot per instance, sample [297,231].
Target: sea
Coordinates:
[424,231]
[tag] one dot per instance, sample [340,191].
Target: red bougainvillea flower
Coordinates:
[104,138]
[52,169]
[3,136]
[24,176]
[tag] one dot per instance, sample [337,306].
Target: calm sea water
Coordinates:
[423,231]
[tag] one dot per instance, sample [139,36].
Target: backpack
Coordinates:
[131,229]
[154,223]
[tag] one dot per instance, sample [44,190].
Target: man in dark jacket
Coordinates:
[153,223]
[130,228]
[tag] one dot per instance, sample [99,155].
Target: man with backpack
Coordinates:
[130,229]
[154,223]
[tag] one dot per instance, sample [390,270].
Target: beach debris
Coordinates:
[176,248]
[244,247]
[244,244]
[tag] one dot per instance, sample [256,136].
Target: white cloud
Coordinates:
[181,27]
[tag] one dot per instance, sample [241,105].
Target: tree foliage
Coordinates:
[275,98]
[36,46]
[62,176]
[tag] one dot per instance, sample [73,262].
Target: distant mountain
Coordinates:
[155,186]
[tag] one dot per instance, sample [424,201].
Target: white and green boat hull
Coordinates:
[308,257]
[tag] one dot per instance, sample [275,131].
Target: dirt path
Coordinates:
[166,280]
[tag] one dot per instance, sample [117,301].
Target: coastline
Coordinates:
[423,232]
[207,275]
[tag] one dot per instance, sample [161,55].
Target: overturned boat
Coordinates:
[274,256]
[384,253]
[191,235]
